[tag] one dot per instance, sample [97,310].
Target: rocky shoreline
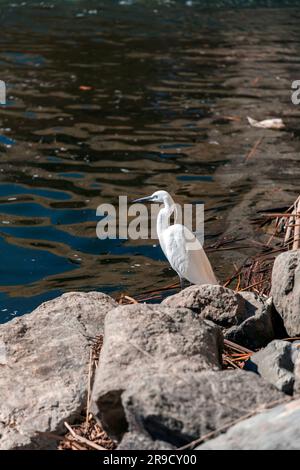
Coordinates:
[160,382]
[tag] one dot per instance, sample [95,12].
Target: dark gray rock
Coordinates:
[286,290]
[274,363]
[144,340]
[275,429]
[297,376]
[254,303]
[141,441]
[257,330]
[244,317]
[44,360]
[179,409]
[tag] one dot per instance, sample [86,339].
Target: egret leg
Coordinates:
[181,283]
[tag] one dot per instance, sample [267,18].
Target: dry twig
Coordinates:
[82,439]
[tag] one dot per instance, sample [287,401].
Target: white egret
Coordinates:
[180,246]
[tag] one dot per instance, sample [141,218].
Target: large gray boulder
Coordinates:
[275,429]
[149,340]
[44,359]
[212,302]
[178,409]
[274,363]
[286,290]
[244,317]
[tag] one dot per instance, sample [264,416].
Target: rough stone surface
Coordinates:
[254,303]
[297,376]
[141,441]
[286,290]
[149,339]
[216,303]
[257,330]
[180,409]
[244,317]
[274,363]
[275,429]
[44,367]
[296,361]
[295,351]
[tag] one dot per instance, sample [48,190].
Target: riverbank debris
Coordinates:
[88,435]
[276,123]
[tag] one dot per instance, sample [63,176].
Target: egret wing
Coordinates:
[187,256]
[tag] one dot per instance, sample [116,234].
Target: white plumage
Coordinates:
[180,246]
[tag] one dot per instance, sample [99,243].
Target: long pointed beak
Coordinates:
[142,199]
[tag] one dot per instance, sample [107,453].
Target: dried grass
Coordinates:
[88,434]
[234,355]
[255,273]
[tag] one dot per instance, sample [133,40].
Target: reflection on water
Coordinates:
[107,100]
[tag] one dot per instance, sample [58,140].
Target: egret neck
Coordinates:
[164,215]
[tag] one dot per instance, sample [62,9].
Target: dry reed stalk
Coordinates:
[230,362]
[237,347]
[234,356]
[289,231]
[234,276]
[252,285]
[296,242]
[232,118]
[89,387]
[254,149]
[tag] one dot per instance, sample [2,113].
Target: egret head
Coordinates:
[158,196]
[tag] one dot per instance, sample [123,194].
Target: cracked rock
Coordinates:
[43,380]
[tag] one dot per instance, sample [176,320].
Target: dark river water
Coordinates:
[123,98]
